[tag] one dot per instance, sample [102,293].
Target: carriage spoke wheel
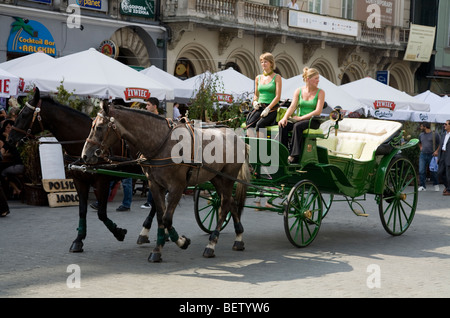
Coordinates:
[206,209]
[303,213]
[398,202]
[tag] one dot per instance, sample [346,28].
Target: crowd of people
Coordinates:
[11,165]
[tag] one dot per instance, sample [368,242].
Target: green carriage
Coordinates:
[345,159]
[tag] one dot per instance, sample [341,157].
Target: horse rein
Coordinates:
[36,114]
[103,153]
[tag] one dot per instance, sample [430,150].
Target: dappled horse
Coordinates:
[71,127]
[172,163]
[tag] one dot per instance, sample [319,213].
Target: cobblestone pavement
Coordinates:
[351,257]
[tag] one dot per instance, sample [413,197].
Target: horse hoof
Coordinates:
[238,246]
[119,234]
[155,258]
[208,253]
[187,242]
[142,239]
[76,247]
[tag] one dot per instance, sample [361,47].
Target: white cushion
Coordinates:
[370,132]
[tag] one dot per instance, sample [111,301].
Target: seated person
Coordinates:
[4,208]
[309,99]
[266,97]
[11,162]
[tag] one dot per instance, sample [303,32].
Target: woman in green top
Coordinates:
[310,100]
[266,97]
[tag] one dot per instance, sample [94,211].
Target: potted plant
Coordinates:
[205,106]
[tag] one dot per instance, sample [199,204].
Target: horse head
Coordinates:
[103,135]
[27,123]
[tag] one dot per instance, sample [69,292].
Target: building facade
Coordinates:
[344,39]
[62,27]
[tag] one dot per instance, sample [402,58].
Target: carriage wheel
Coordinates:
[206,209]
[303,213]
[397,204]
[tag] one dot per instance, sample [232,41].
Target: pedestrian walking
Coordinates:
[428,143]
[444,158]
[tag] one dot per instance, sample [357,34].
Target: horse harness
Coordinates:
[36,114]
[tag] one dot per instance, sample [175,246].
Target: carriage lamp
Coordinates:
[336,115]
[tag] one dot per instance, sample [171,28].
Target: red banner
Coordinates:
[384,104]
[136,92]
[224,97]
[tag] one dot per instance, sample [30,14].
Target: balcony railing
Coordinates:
[242,14]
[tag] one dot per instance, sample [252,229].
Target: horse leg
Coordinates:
[214,236]
[83,192]
[227,204]
[159,200]
[143,236]
[102,196]
[173,199]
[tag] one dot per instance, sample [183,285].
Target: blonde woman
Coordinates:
[266,97]
[307,102]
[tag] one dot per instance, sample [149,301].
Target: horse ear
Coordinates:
[105,105]
[37,95]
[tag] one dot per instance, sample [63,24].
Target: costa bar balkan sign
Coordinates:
[28,36]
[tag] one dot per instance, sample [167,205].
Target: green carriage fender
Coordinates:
[384,163]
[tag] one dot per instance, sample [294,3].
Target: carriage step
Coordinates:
[359,213]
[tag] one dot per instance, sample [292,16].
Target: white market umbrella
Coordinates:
[9,84]
[25,61]
[22,64]
[182,91]
[383,101]
[334,95]
[439,108]
[92,73]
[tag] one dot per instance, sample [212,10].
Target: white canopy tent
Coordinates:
[9,84]
[17,65]
[334,95]
[91,73]
[25,61]
[182,90]
[383,101]
[234,83]
[439,108]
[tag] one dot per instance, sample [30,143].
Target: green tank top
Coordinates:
[306,106]
[267,92]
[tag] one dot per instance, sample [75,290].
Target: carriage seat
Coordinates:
[280,113]
[357,138]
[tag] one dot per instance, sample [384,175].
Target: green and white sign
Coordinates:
[142,8]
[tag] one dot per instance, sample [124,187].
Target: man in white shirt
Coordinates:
[176,112]
[293,5]
[444,158]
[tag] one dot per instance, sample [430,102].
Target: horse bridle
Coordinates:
[36,114]
[102,152]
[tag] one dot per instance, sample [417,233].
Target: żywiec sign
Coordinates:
[384,108]
[384,104]
[136,93]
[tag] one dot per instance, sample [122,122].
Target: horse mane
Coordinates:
[141,111]
[71,110]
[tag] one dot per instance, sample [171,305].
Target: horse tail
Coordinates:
[241,188]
